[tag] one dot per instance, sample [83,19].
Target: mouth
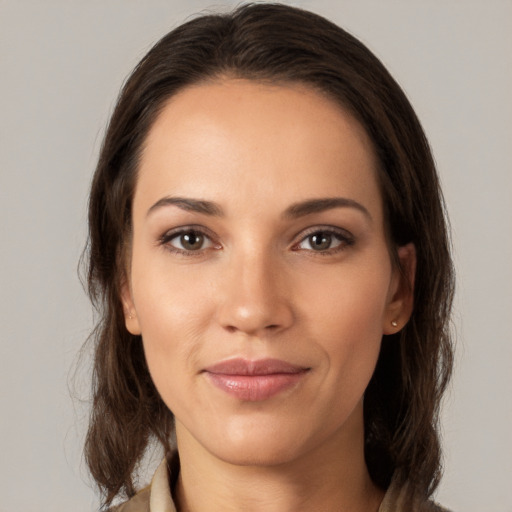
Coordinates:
[254,381]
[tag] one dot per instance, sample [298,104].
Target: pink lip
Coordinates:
[254,380]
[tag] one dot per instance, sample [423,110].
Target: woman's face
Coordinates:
[260,276]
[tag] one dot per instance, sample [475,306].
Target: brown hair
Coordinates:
[280,44]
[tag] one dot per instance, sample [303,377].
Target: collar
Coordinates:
[160,499]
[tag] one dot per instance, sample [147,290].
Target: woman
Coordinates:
[269,255]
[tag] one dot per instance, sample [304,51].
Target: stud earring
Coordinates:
[394,323]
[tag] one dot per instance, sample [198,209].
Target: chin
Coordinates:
[260,446]
[253,454]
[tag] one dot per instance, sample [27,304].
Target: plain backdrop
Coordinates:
[62,64]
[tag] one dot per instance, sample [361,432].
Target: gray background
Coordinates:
[62,63]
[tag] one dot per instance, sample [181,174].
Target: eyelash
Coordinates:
[166,239]
[344,238]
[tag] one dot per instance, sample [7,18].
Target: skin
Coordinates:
[258,288]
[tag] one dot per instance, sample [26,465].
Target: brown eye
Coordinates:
[187,241]
[191,241]
[325,241]
[320,241]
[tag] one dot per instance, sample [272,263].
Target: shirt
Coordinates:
[157,497]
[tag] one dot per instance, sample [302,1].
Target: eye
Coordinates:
[324,241]
[187,241]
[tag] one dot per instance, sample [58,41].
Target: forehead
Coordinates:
[250,138]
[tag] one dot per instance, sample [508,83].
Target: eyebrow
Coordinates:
[296,210]
[189,205]
[311,206]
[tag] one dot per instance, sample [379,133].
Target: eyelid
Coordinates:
[345,236]
[171,234]
[341,234]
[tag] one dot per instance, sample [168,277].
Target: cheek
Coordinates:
[351,301]
[167,297]
[345,313]
[171,308]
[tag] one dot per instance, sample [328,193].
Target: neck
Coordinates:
[319,479]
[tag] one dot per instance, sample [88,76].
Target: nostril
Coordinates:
[232,328]
[239,315]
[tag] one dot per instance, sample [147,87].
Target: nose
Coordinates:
[255,297]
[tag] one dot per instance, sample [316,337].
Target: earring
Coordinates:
[394,323]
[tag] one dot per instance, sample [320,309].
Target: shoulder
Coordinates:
[391,505]
[156,497]
[138,503]
[395,500]
[433,507]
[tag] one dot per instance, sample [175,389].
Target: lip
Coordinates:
[254,381]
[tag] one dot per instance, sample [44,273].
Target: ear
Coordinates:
[130,314]
[401,293]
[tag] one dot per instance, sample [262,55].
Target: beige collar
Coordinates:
[160,499]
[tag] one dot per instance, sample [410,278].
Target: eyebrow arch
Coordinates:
[190,205]
[320,205]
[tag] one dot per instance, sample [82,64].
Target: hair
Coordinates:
[279,44]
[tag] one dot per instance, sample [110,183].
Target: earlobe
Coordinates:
[400,305]
[130,314]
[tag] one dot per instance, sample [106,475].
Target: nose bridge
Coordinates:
[254,296]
